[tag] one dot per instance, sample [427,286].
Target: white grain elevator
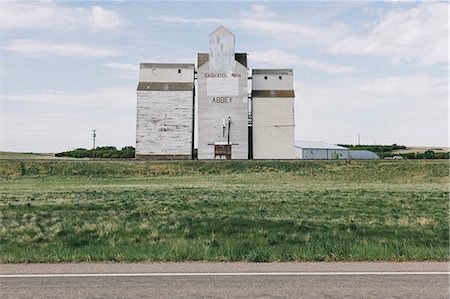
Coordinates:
[232,124]
[164,121]
[273,114]
[222,99]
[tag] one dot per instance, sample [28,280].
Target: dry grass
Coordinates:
[262,211]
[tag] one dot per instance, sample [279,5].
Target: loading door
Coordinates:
[222,151]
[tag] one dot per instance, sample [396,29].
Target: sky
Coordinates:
[377,69]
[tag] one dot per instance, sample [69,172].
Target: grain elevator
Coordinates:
[222,99]
[165,115]
[273,114]
[234,122]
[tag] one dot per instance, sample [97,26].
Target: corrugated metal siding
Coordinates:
[164,123]
[322,154]
[363,155]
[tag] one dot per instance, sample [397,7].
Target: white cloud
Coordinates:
[45,48]
[181,20]
[49,15]
[294,33]
[105,19]
[281,58]
[408,110]
[259,11]
[124,70]
[260,20]
[115,97]
[122,66]
[419,33]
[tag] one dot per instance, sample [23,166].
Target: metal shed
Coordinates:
[317,150]
[363,155]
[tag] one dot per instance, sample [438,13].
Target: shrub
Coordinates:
[100,152]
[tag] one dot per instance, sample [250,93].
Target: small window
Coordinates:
[265,77]
[280,77]
[179,71]
[154,72]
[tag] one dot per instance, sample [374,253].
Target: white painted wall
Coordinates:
[273,128]
[164,74]
[273,117]
[164,123]
[273,82]
[211,113]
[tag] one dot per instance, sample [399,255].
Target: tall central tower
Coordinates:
[222,99]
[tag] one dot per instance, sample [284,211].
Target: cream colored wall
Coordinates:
[273,82]
[166,75]
[273,128]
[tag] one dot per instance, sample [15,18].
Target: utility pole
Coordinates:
[228,139]
[359,141]
[93,143]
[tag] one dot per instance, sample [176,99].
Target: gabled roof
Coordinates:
[317,144]
[239,57]
[222,30]
[272,72]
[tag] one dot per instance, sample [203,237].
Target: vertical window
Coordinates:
[280,77]
[265,77]
[154,72]
[179,71]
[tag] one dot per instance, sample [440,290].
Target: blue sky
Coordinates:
[379,69]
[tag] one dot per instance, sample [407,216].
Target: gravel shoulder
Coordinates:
[162,267]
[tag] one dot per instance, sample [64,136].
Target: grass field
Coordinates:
[29,156]
[224,211]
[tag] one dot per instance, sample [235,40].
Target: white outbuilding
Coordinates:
[317,150]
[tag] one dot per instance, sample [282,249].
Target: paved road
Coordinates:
[226,280]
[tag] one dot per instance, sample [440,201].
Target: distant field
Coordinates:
[422,149]
[224,211]
[27,156]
